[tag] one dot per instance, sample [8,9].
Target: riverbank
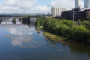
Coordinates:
[54,37]
[61,39]
[39,27]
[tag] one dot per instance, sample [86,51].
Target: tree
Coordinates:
[14,21]
[38,23]
[79,33]
[0,21]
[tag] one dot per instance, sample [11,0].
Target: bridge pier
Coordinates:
[3,19]
[6,21]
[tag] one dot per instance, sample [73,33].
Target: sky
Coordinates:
[34,6]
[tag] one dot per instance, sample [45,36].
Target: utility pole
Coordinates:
[73,14]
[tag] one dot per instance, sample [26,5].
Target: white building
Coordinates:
[86,3]
[77,3]
[57,11]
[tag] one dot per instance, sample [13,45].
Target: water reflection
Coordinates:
[9,21]
[18,29]
[18,40]
[23,43]
[79,50]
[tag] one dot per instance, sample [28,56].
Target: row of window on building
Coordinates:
[68,14]
[57,11]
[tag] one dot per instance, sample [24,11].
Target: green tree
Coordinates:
[79,33]
[26,20]
[0,21]
[38,23]
[14,20]
[86,24]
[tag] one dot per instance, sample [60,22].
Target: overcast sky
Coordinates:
[34,6]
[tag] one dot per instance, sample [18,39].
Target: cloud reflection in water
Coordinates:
[18,40]
[19,29]
[19,34]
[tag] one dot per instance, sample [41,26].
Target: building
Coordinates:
[86,3]
[57,11]
[77,3]
[32,20]
[78,14]
[88,15]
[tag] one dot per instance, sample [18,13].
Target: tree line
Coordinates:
[78,31]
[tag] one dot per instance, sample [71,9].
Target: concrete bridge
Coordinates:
[7,18]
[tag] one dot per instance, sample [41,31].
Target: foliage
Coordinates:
[67,28]
[88,38]
[14,20]
[64,29]
[79,33]
[0,21]
[86,24]
[26,20]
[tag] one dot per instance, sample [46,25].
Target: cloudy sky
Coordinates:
[34,6]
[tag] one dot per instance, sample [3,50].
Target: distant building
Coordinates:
[77,3]
[57,11]
[78,14]
[86,3]
[32,20]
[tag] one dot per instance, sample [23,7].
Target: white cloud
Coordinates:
[17,6]
[28,6]
[42,8]
[69,4]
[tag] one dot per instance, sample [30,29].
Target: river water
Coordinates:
[21,42]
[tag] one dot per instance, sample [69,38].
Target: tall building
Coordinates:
[86,3]
[77,3]
[57,11]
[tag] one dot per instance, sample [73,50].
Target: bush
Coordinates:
[64,30]
[26,20]
[0,21]
[88,38]
[69,23]
[86,24]
[38,23]
[79,33]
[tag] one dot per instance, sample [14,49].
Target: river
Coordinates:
[22,42]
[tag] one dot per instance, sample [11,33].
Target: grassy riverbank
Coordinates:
[39,27]
[61,39]
[54,37]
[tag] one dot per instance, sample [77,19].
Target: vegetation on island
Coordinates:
[26,20]
[0,21]
[14,20]
[78,31]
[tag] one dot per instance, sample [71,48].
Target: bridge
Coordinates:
[7,18]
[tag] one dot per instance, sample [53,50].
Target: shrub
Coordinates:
[38,23]
[64,30]
[88,38]
[79,33]
[86,24]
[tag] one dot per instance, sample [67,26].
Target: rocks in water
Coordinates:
[40,42]
[7,35]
